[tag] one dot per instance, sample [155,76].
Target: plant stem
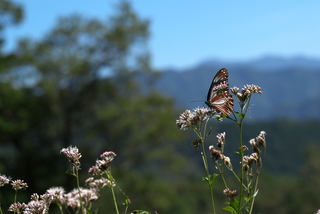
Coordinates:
[205,162]
[241,168]
[114,200]
[254,192]
[76,173]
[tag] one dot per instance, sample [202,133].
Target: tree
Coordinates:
[80,85]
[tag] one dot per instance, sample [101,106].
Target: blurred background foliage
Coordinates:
[79,85]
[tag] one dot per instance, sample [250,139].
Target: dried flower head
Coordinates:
[258,142]
[73,155]
[216,154]
[227,162]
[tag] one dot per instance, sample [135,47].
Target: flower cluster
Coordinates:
[18,184]
[4,180]
[87,196]
[101,168]
[40,204]
[221,139]
[217,154]
[246,92]
[103,164]
[221,88]
[230,193]
[256,144]
[73,155]
[17,207]
[188,119]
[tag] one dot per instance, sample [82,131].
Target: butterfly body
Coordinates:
[218,97]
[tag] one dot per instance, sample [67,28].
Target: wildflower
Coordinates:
[200,115]
[234,90]
[34,197]
[184,120]
[221,139]
[261,139]
[249,160]
[94,170]
[98,184]
[221,88]
[258,142]
[188,118]
[56,194]
[17,207]
[103,165]
[108,155]
[18,184]
[36,207]
[246,92]
[4,180]
[230,193]
[72,153]
[87,195]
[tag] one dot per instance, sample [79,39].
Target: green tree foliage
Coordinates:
[78,86]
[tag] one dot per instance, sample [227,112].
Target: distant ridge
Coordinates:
[291,86]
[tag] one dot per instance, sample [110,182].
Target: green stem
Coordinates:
[114,200]
[76,173]
[254,191]
[205,162]
[241,169]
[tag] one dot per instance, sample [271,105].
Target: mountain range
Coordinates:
[290,86]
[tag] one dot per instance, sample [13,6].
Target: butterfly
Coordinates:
[218,97]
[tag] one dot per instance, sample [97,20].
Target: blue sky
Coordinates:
[186,32]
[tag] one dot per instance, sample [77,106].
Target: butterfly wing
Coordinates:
[218,97]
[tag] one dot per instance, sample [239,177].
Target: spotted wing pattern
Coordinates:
[218,97]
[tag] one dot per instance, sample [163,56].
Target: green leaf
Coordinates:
[241,115]
[210,179]
[230,209]
[235,204]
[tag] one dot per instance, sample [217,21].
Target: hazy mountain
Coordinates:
[291,86]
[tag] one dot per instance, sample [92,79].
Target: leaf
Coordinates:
[210,179]
[230,209]
[241,115]
[235,204]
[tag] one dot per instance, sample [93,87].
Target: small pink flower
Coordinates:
[18,184]
[73,154]
[4,180]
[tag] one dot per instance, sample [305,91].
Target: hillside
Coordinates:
[291,86]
